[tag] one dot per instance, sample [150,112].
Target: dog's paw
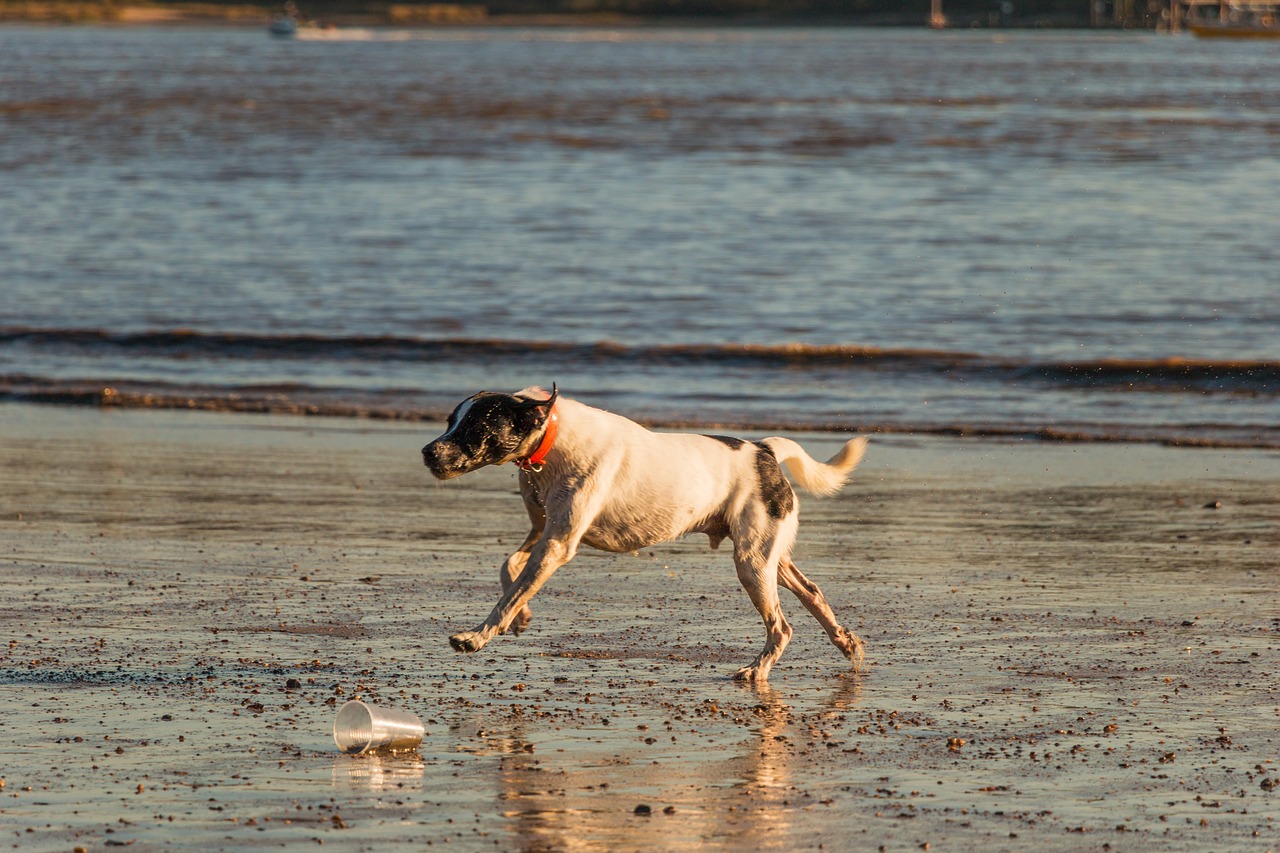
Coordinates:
[854,649]
[752,675]
[470,641]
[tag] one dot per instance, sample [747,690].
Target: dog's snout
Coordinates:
[430,454]
[441,459]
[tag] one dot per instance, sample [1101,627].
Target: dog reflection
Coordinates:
[586,796]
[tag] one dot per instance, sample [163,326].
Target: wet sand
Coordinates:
[1070,647]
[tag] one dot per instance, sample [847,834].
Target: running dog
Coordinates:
[591,477]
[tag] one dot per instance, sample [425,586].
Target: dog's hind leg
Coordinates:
[816,603]
[757,565]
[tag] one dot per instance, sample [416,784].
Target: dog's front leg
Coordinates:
[511,570]
[515,564]
[548,555]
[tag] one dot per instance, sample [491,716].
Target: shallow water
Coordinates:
[839,229]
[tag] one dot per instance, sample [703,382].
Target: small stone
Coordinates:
[643,810]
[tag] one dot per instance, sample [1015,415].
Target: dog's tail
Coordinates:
[820,478]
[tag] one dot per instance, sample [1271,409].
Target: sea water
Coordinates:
[1052,234]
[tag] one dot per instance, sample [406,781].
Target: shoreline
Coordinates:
[1068,645]
[1231,401]
[120,396]
[453,15]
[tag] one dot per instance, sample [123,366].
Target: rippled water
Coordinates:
[1059,234]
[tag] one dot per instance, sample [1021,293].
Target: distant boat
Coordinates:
[1235,31]
[285,26]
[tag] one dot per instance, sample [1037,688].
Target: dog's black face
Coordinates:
[485,429]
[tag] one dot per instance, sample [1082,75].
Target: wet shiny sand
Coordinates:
[1070,648]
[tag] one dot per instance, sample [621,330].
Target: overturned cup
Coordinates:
[361,727]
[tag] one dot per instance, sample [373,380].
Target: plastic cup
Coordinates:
[361,727]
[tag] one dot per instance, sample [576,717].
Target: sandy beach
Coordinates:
[1070,647]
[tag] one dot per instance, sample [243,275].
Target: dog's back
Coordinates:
[651,486]
[670,457]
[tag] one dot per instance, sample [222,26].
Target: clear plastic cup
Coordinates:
[361,727]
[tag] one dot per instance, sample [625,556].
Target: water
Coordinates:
[1066,235]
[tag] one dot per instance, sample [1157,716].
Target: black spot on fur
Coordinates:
[779,499]
[734,443]
[490,428]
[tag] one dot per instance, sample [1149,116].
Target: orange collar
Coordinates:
[533,462]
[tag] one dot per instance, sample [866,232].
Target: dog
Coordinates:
[592,477]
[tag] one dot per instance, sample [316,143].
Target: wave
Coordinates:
[396,405]
[1156,375]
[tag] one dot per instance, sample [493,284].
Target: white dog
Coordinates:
[589,476]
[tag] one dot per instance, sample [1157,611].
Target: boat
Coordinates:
[285,26]
[1237,19]
[1215,30]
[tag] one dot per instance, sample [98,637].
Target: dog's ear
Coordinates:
[534,403]
[534,412]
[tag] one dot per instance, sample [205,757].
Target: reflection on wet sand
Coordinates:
[380,773]
[769,782]
[533,801]
[625,787]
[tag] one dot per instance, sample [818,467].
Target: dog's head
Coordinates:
[487,429]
